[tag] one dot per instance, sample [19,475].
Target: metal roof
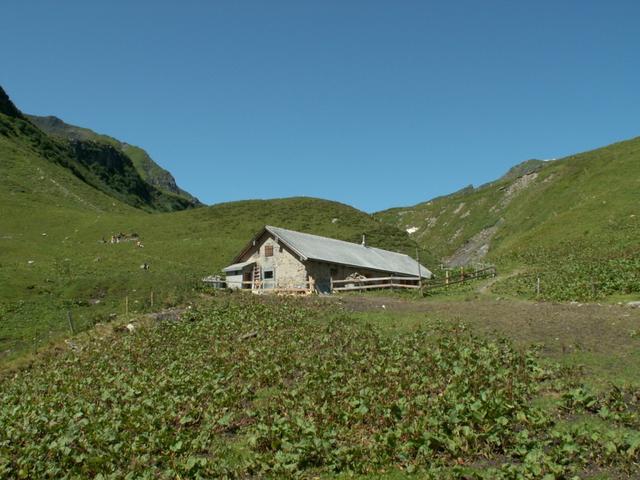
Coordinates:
[237,266]
[315,247]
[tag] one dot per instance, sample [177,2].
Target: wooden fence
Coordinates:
[360,284]
[373,283]
[463,276]
[268,286]
[412,282]
[336,285]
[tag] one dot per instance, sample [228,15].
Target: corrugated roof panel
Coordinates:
[346,253]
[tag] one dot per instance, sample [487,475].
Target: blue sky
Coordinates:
[375,104]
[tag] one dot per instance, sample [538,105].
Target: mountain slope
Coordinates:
[523,168]
[54,257]
[98,164]
[150,171]
[572,221]
[61,200]
[458,227]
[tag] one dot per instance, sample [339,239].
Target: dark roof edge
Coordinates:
[252,242]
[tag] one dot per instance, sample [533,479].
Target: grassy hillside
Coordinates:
[54,224]
[148,170]
[574,222]
[57,259]
[97,164]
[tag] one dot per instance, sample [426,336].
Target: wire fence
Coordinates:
[28,326]
[453,277]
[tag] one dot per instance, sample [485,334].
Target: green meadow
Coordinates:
[116,362]
[283,388]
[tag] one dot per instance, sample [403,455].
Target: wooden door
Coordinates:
[246,279]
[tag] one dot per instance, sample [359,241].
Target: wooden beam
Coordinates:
[369,287]
[376,279]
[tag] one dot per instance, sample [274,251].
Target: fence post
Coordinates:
[151,298]
[419,269]
[538,286]
[73,330]
[446,277]
[126,306]
[462,273]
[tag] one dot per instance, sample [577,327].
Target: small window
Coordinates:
[268,250]
[268,274]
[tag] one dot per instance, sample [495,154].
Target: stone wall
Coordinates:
[289,271]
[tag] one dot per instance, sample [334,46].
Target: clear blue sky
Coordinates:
[375,104]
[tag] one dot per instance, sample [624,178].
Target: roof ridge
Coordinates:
[325,238]
[267,227]
[327,249]
[337,240]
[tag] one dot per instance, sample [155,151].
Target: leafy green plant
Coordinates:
[249,388]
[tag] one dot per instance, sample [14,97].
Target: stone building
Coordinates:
[277,258]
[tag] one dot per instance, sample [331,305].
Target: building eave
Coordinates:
[424,273]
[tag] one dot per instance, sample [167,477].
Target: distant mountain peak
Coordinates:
[53,120]
[523,168]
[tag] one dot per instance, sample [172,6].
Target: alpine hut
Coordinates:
[281,259]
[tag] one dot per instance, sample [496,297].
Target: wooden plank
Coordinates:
[362,287]
[377,279]
[251,283]
[362,280]
[369,287]
[366,280]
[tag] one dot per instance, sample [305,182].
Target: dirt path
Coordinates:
[608,333]
[485,288]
